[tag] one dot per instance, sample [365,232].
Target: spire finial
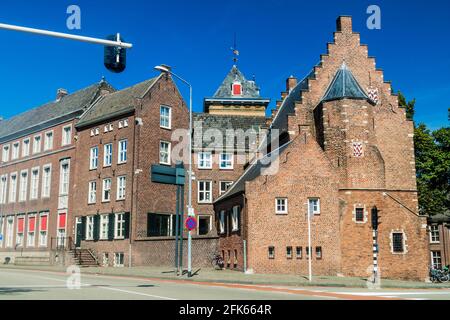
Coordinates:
[235,51]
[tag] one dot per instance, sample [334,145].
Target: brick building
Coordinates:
[36,176]
[439,240]
[236,110]
[346,147]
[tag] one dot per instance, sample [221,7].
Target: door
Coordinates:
[78,233]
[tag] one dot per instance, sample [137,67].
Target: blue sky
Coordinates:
[276,38]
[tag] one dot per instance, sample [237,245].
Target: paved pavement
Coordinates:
[21,284]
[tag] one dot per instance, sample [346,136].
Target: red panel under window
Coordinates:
[44,223]
[237,89]
[32,224]
[62,221]
[20,225]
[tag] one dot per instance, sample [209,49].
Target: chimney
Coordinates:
[344,24]
[61,93]
[291,83]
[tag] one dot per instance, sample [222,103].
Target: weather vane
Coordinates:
[235,51]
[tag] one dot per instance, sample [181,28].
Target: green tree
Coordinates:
[409,106]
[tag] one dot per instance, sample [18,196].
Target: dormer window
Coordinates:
[237,88]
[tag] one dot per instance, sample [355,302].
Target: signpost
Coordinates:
[174,176]
[191,223]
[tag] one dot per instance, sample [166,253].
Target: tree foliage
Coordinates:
[409,106]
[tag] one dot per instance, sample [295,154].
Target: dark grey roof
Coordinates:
[115,104]
[249,88]
[51,113]
[344,85]
[288,105]
[255,170]
[224,123]
[440,218]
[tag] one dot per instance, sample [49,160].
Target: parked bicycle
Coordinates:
[440,275]
[217,262]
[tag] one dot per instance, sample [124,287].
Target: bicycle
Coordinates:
[217,262]
[440,276]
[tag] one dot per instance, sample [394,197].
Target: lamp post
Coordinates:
[166,69]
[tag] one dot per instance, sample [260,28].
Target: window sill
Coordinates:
[281,213]
[120,163]
[166,128]
[119,238]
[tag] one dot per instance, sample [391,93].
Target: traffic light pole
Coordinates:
[375,255]
[103,42]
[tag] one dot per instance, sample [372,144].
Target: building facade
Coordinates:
[439,227]
[346,147]
[37,175]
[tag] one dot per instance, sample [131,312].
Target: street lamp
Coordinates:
[166,69]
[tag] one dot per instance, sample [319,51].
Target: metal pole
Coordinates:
[309,247]
[190,209]
[375,255]
[181,230]
[177,223]
[67,36]
[245,256]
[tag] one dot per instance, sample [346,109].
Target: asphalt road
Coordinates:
[42,285]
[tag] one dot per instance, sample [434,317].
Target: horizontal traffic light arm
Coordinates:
[67,36]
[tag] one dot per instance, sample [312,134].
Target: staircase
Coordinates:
[84,258]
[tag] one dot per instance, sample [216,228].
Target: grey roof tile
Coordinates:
[116,103]
[49,114]
[249,88]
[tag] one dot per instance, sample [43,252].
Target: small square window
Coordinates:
[359,214]
[397,242]
[289,252]
[271,252]
[224,186]
[298,252]
[281,205]
[318,253]
[314,206]
[118,259]
[226,161]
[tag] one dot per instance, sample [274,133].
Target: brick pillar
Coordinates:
[344,24]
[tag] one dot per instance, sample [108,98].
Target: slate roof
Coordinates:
[440,218]
[249,88]
[255,170]
[115,104]
[223,123]
[50,114]
[344,85]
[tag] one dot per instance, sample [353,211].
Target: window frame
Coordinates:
[6,150]
[199,191]
[23,186]
[15,151]
[169,117]
[201,160]
[12,194]
[66,140]
[104,227]
[393,247]
[169,147]
[90,220]
[230,161]
[104,185]
[222,222]
[314,212]
[433,236]
[37,147]
[48,147]
[121,190]
[92,192]
[119,233]
[26,143]
[221,191]
[235,219]
[44,194]
[34,183]
[279,205]
[93,158]
[122,153]
[107,155]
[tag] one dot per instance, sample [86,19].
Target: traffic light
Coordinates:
[375,218]
[115,57]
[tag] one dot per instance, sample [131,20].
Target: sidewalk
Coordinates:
[227,276]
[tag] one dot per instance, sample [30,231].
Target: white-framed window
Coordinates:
[123,123]
[3,189]
[119,226]
[9,231]
[204,225]
[165,118]
[204,192]
[123,149]
[164,152]
[48,141]
[15,152]
[31,235]
[93,158]
[20,230]
[37,144]
[5,153]
[92,132]
[205,160]
[92,196]
[23,187]
[34,190]
[436,260]
[235,218]
[119,259]
[97,131]
[66,135]
[13,187]
[108,154]
[104,226]
[434,233]
[106,194]
[90,228]
[222,222]
[26,147]
[105,259]
[121,187]
[226,161]
[224,186]
[281,205]
[64,177]
[46,181]
[43,229]
[313,206]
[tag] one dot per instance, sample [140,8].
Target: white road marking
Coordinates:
[105,288]
[389,294]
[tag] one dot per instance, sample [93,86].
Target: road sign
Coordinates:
[168,175]
[191,223]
